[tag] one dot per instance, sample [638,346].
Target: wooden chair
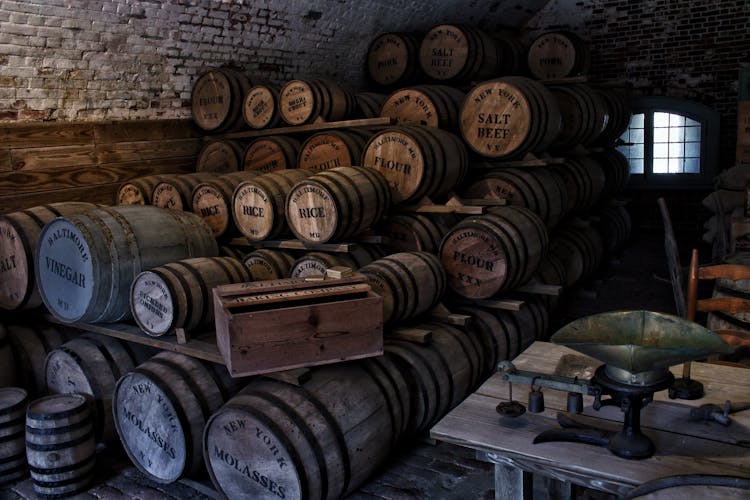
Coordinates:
[673,260]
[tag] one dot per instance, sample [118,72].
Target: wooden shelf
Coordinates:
[295,245]
[298,129]
[529,160]
[455,205]
[202,347]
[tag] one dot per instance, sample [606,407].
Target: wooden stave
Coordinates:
[616,171]
[101,361]
[26,226]
[268,264]
[138,191]
[188,284]
[493,333]
[220,192]
[30,343]
[370,104]
[275,186]
[221,156]
[13,403]
[412,233]
[175,191]
[65,438]
[286,147]
[389,285]
[121,241]
[194,390]
[269,120]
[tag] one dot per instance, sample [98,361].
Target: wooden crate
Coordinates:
[269,326]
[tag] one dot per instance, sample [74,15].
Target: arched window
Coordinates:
[671,142]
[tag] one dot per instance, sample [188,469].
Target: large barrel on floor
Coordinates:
[212,201]
[161,408]
[460,53]
[417,161]
[433,105]
[87,261]
[268,264]
[509,117]
[92,364]
[258,205]
[176,191]
[19,235]
[413,232]
[584,115]
[320,439]
[13,402]
[138,191]
[60,445]
[30,344]
[216,99]
[393,59]
[337,204]
[260,108]
[541,190]
[490,253]
[332,148]
[178,294]
[8,375]
[220,156]
[411,283]
[268,154]
[558,54]
[303,101]
[440,373]
[584,180]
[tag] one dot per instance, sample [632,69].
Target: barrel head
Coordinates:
[323,151]
[400,159]
[254,211]
[388,59]
[260,107]
[265,155]
[474,262]
[444,52]
[311,212]
[297,102]
[211,100]
[152,304]
[411,106]
[16,271]
[552,55]
[211,205]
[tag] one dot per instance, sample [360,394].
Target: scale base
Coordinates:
[686,388]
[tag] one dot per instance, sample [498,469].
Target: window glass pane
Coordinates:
[693,149]
[636,121]
[636,151]
[636,166]
[661,165]
[636,135]
[675,165]
[676,134]
[676,149]
[661,134]
[661,119]
[661,150]
[676,120]
[692,123]
[693,134]
[692,165]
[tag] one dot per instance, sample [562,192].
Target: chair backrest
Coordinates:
[729,305]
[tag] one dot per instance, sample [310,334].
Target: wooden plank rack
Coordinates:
[312,127]
[455,205]
[295,245]
[201,347]
[529,160]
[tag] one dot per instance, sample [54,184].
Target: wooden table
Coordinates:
[682,447]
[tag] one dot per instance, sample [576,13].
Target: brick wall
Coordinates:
[128,59]
[682,48]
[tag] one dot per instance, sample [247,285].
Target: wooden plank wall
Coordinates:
[50,162]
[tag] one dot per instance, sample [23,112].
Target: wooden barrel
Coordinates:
[490,253]
[580,249]
[60,445]
[393,59]
[138,191]
[584,180]
[330,149]
[614,224]
[440,373]
[268,154]
[459,53]
[509,117]
[584,115]
[8,375]
[260,108]
[433,105]
[176,191]
[616,171]
[539,189]
[13,402]
[220,156]
[303,101]
[552,271]
[19,236]
[92,364]
[369,104]
[161,408]
[316,264]
[417,161]
[558,54]
[212,201]
[336,204]
[412,232]
[216,99]
[232,251]
[30,344]
[321,439]
[259,205]
[496,338]
[619,110]
[87,261]
[178,294]
[411,283]
[267,264]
